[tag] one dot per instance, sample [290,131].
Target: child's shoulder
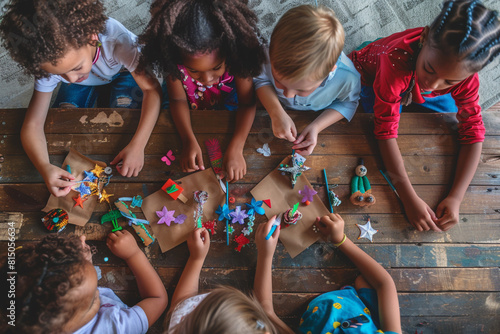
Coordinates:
[114,30]
[345,65]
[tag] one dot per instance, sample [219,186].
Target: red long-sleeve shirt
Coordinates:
[388,65]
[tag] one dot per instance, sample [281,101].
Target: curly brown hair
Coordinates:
[38,31]
[46,272]
[179,27]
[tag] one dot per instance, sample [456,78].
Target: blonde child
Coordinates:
[73,42]
[208,51]
[436,67]
[307,70]
[56,289]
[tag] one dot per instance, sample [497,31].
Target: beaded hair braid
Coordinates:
[469,30]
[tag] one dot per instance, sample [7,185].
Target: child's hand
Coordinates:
[284,127]
[448,213]
[265,247]
[199,243]
[132,161]
[421,215]
[192,159]
[305,144]
[234,164]
[331,226]
[58,181]
[122,244]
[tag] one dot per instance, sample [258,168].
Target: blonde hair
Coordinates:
[227,310]
[306,43]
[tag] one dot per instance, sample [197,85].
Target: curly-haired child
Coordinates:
[436,67]
[73,42]
[225,309]
[57,292]
[307,70]
[208,52]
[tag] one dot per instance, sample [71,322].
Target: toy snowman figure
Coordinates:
[361,190]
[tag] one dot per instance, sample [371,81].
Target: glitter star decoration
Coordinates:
[366,231]
[296,169]
[255,207]
[98,170]
[89,176]
[166,217]
[238,215]
[83,189]
[223,212]
[307,194]
[104,196]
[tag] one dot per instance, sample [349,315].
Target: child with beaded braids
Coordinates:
[437,67]
[208,51]
[56,289]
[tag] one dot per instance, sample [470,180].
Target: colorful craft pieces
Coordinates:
[166,216]
[292,216]
[223,212]
[229,229]
[268,202]
[180,219]
[168,158]
[137,224]
[242,241]
[200,197]
[250,223]
[215,155]
[112,216]
[89,176]
[265,150]
[79,200]
[55,220]
[83,189]
[136,201]
[255,207]
[366,231]
[98,170]
[307,194]
[104,196]
[174,190]
[238,215]
[246,231]
[296,168]
[210,226]
[333,198]
[361,190]
[143,234]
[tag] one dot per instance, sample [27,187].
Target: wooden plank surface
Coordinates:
[447,282]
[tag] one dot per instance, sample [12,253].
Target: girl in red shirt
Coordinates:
[432,66]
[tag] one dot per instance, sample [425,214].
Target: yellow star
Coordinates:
[104,196]
[98,170]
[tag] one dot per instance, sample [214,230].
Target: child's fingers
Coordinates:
[67,175]
[300,139]
[230,175]
[205,235]
[199,159]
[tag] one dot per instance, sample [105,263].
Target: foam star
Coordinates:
[104,196]
[296,169]
[89,176]
[366,231]
[239,215]
[223,212]
[255,207]
[166,217]
[79,201]
[83,189]
[307,194]
[98,170]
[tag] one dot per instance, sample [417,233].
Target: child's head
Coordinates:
[227,310]
[305,46]
[463,39]
[206,36]
[53,37]
[56,286]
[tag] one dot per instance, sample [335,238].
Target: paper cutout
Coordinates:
[223,212]
[238,215]
[168,158]
[174,190]
[366,231]
[307,194]
[215,155]
[180,219]
[255,207]
[79,201]
[291,217]
[210,226]
[265,150]
[242,241]
[295,169]
[267,201]
[166,216]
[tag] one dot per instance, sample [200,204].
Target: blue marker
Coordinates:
[276,223]
[68,168]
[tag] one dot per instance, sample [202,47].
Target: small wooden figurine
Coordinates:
[361,190]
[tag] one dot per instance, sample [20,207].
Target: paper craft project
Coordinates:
[366,231]
[174,190]
[76,215]
[55,220]
[296,169]
[169,237]
[137,224]
[361,190]
[166,216]
[276,187]
[238,215]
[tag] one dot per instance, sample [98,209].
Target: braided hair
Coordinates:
[469,30]
[46,272]
[188,27]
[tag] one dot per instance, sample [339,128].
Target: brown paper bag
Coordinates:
[170,236]
[278,188]
[76,215]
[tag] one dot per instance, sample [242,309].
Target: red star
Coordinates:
[79,201]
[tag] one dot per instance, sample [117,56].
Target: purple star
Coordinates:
[89,176]
[166,217]
[307,194]
[239,215]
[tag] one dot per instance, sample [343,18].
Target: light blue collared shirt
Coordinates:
[339,91]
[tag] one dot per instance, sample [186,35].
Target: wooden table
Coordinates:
[447,282]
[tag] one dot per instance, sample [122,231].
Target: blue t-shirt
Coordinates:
[115,317]
[339,91]
[342,311]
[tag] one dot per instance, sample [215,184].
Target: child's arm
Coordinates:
[58,181]
[283,125]
[418,212]
[188,286]
[333,227]
[263,286]
[308,139]
[132,155]
[234,162]
[151,288]
[192,158]
[448,209]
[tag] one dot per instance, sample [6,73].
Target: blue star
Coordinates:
[89,176]
[83,189]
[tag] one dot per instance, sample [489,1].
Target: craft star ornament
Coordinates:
[89,176]
[239,215]
[296,169]
[166,216]
[98,170]
[255,207]
[104,196]
[223,212]
[307,194]
[79,201]
[366,231]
